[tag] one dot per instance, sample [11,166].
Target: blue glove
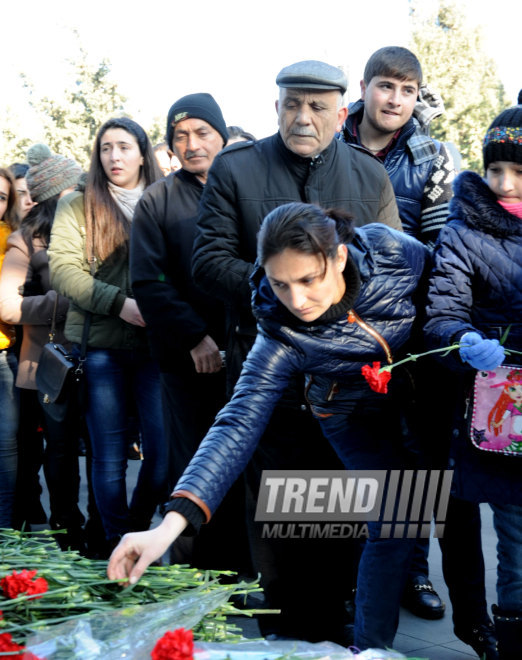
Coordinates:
[481,354]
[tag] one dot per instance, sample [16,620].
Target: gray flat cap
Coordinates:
[312,74]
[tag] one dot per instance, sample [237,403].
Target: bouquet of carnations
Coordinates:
[56,604]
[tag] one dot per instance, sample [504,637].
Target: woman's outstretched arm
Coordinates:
[136,551]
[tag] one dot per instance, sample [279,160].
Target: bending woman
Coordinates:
[327,300]
[93,228]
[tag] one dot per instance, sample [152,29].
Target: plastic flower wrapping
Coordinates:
[58,605]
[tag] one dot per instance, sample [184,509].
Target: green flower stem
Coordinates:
[446,349]
[79,587]
[416,356]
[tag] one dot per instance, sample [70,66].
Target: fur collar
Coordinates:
[477,206]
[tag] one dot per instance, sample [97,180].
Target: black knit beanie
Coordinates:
[197,106]
[503,141]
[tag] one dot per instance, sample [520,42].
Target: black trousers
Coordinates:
[190,404]
[30,459]
[309,580]
[61,468]
[435,411]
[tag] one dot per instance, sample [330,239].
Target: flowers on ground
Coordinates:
[23,583]
[8,646]
[42,587]
[174,645]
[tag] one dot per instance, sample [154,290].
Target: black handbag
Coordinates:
[55,370]
[58,373]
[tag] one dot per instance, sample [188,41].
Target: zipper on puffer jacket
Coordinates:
[353,317]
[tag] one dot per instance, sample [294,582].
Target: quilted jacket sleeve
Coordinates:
[231,441]
[450,294]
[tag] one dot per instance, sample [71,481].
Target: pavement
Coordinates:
[416,638]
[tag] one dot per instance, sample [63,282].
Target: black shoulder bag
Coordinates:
[58,373]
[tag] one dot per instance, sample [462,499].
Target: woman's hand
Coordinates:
[131,313]
[136,551]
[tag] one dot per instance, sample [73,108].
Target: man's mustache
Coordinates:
[303,132]
[194,154]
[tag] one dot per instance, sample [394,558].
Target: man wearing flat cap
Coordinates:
[302,162]
[186,327]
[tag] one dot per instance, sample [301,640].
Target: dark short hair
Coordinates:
[395,62]
[19,170]
[304,228]
[238,132]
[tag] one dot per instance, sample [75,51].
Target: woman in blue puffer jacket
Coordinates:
[328,300]
[475,298]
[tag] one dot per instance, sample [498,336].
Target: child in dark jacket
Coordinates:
[475,298]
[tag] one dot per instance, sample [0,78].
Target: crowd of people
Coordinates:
[222,294]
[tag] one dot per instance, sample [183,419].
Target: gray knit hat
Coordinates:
[49,174]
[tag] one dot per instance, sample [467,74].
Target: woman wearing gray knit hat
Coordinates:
[50,174]
[27,299]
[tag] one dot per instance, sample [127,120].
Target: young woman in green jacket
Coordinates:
[89,264]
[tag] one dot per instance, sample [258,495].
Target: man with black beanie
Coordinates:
[185,326]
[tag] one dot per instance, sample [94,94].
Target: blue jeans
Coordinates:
[369,437]
[121,383]
[8,428]
[507,519]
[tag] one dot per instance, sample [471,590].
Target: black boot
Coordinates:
[481,637]
[509,633]
[421,599]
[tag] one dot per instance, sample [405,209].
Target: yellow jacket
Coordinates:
[7,334]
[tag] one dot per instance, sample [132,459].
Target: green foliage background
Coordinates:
[450,51]
[454,63]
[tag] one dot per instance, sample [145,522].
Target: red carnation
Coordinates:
[177,645]
[378,380]
[7,644]
[22,583]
